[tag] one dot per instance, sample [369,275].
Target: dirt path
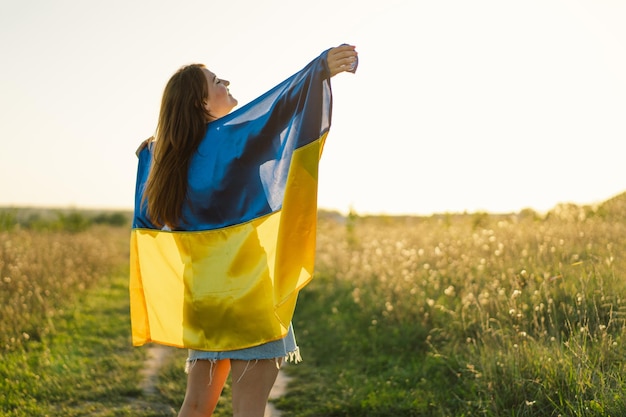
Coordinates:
[278,390]
[157,355]
[150,372]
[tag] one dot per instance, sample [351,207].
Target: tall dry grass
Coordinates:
[42,273]
[525,314]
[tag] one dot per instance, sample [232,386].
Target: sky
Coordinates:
[457,106]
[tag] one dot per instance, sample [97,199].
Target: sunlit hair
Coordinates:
[181,126]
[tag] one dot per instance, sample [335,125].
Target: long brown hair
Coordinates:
[181,126]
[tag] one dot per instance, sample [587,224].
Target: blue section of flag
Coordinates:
[240,169]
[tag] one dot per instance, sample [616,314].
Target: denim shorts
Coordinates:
[286,348]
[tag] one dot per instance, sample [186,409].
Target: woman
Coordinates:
[194,98]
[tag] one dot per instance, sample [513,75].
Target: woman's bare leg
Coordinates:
[252,382]
[204,386]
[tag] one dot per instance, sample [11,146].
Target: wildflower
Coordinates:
[449,291]
[469,298]
[516,294]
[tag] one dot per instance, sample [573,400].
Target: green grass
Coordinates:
[353,367]
[87,368]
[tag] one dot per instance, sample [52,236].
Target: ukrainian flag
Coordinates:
[229,276]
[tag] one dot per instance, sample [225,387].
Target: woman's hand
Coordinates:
[143,145]
[342,58]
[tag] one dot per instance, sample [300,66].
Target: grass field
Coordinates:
[64,327]
[448,315]
[461,315]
